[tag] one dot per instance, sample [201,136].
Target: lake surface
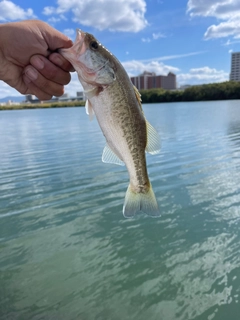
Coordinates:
[67,252]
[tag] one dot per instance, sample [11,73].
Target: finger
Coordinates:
[33,90]
[49,70]
[41,87]
[60,61]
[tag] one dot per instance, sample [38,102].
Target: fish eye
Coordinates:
[94,45]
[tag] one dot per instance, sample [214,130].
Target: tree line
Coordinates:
[215,91]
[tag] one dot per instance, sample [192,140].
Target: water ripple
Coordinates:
[68,253]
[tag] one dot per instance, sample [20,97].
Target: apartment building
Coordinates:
[149,80]
[235,67]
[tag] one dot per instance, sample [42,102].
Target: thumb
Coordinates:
[55,39]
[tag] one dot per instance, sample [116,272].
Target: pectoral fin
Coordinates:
[109,156]
[153,140]
[89,109]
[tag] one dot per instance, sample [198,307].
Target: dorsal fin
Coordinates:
[138,96]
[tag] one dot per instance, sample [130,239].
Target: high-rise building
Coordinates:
[149,80]
[235,67]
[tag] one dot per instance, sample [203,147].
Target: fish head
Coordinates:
[92,61]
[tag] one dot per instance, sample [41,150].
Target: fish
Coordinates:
[116,103]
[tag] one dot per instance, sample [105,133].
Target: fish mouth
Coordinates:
[79,42]
[78,46]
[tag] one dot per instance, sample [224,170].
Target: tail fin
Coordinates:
[145,202]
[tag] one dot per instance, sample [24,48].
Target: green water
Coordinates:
[67,252]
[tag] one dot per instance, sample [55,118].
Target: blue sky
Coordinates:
[192,38]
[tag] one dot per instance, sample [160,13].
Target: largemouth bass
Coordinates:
[116,103]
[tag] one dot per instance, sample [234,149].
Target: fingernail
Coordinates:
[31,73]
[37,63]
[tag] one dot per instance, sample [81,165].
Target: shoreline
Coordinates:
[228,90]
[44,105]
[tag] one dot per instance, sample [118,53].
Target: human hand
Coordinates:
[28,62]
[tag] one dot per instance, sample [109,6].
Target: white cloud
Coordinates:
[135,67]
[158,35]
[49,10]
[174,56]
[154,36]
[124,15]
[53,20]
[224,29]
[70,33]
[6,90]
[9,11]
[204,71]
[226,10]
[62,17]
[221,9]
[146,40]
[202,75]
[228,42]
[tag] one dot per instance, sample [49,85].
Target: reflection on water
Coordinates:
[66,252]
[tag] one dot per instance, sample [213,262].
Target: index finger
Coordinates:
[61,62]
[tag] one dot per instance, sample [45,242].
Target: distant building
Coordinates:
[235,67]
[149,80]
[29,97]
[80,95]
[64,96]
